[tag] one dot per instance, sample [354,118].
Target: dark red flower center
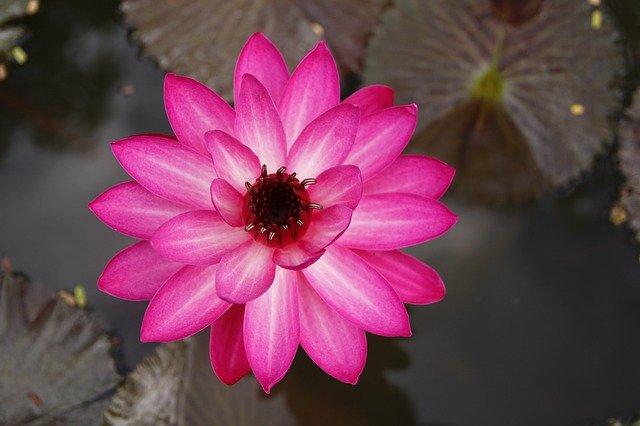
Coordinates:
[277,208]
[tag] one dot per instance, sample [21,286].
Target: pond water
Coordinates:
[539,326]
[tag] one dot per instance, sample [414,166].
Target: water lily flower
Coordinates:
[279,222]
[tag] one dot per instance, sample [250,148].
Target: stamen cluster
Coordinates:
[277,208]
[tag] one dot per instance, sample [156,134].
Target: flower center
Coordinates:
[277,209]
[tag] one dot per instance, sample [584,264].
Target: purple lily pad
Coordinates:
[202,38]
[55,360]
[175,385]
[519,101]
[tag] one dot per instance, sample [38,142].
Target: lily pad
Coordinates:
[55,360]
[175,385]
[519,102]
[202,38]
[629,154]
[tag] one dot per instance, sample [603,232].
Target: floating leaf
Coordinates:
[54,359]
[518,102]
[175,385]
[202,38]
[629,154]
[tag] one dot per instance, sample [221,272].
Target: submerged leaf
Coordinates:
[79,38]
[175,385]
[201,38]
[12,9]
[54,359]
[519,101]
[619,422]
[316,399]
[11,36]
[629,154]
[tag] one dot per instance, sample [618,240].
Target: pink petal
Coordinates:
[246,272]
[161,135]
[372,98]
[332,342]
[326,226]
[197,238]
[167,169]
[314,87]
[260,58]
[228,202]
[294,257]
[233,161]
[381,138]
[325,142]
[184,305]
[136,273]
[272,329]
[413,174]
[392,221]
[134,211]
[337,185]
[226,346]
[415,282]
[193,109]
[258,124]
[358,292]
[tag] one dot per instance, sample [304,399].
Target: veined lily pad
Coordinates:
[175,385]
[629,154]
[202,38]
[519,103]
[55,363]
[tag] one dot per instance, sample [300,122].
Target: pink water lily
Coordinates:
[278,223]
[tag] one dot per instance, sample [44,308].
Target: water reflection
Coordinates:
[62,93]
[540,321]
[546,303]
[317,399]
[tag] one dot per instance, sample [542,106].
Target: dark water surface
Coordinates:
[540,324]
